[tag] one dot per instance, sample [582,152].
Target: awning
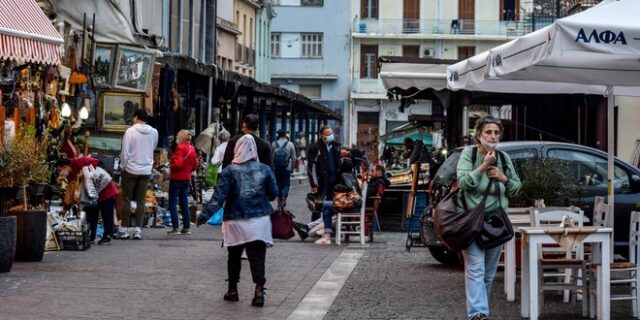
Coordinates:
[414,135]
[26,34]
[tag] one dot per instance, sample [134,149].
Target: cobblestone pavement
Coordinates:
[183,277]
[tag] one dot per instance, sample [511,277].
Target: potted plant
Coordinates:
[545,179]
[24,162]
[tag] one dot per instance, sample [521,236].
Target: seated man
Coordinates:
[377,183]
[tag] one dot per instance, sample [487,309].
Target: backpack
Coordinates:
[281,156]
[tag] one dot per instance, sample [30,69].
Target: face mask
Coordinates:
[330,138]
[488,145]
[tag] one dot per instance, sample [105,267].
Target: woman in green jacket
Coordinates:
[480,264]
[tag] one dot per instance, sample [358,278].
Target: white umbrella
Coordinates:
[595,52]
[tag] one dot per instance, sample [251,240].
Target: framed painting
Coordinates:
[103,64]
[116,109]
[133,68]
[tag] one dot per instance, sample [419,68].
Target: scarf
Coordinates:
[245,150]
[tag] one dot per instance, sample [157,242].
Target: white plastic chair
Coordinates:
[356,219]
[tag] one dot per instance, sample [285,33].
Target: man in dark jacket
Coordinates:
[249,126]
[323,155]
[378,181]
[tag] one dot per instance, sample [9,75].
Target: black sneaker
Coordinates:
[480,316]
[302,229]
[104,240]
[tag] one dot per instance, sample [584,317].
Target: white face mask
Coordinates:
[488,145]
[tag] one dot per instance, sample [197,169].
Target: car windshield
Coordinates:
[446,174]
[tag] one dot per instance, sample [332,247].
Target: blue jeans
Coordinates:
[327,215]
[480,267]
[283,180]
[179,190]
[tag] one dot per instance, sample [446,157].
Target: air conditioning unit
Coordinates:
[427,52]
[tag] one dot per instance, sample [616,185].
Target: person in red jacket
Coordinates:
[183,162]
[106,198]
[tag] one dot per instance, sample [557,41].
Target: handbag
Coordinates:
[496,228]
[216,218]
[211,175]
[282,225]
[458,229]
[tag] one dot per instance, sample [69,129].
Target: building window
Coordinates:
[275,44]
[509,10]
[314,3]
[369,9]
[466,52]
[312,45]
[311,91]
[369,61]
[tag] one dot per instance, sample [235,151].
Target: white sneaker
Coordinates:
[137,234]
[123,233]
[324,240]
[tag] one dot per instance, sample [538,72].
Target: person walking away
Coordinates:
[136,162]
[107,192]
[323,156]
[218,154]
[249,126]
[245,188]
[183,163]
[284,155]
[480,264]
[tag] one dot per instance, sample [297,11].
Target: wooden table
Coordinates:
[532,236]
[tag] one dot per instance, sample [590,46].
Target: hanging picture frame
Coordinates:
[103,65]
[116,109]
[63,82]
[133,68]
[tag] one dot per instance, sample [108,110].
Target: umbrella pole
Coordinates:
[610,155]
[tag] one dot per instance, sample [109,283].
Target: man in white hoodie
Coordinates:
[136,163]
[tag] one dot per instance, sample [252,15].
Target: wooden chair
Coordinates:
[623,273]
[354,222]
[553,259]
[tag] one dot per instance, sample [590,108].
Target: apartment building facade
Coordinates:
[311,51]
[441,29]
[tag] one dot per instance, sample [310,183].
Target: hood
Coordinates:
[143,128]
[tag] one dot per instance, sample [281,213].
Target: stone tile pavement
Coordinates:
[183,277]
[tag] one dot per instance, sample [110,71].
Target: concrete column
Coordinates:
[262,114]
[292,133]
[283,117]
[273,123]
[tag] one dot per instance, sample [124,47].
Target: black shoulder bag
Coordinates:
[458,230]
[497,228]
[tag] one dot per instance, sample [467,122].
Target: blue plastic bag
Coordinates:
[216,218]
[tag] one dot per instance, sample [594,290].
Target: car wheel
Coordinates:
[444,255]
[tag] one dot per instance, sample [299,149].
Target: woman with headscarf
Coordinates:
[245,187]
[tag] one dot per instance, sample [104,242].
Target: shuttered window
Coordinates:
[369,61]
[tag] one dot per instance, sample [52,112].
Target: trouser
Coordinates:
[327,214]
[256,252]
[179,192]
[283,180]
[480,266]
[134,187]
[106,210]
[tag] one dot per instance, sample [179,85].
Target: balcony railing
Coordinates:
[373,85]
[522,26]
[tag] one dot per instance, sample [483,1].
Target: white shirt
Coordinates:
[237,232]
[218,155]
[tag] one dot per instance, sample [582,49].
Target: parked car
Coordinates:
[587,167]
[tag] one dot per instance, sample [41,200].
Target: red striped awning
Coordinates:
[26,34]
